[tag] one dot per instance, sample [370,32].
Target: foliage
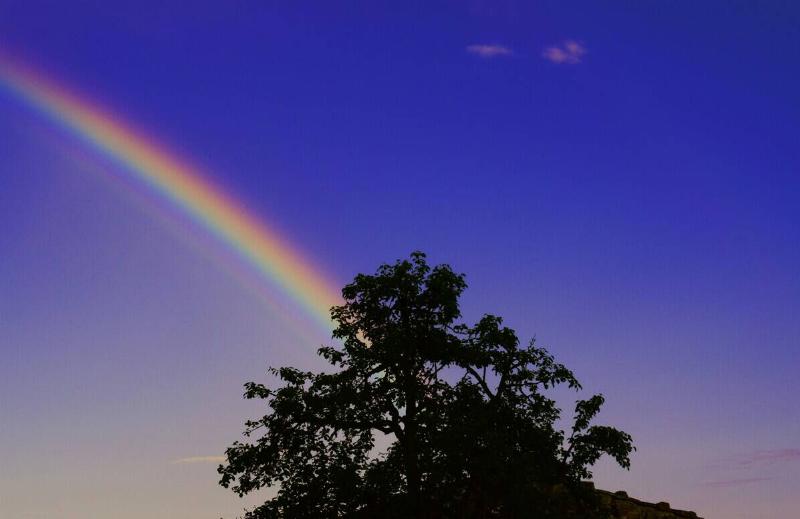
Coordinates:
[420,417]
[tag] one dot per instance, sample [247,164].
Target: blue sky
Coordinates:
[618,180]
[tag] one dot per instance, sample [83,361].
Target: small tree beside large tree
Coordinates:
[421,416]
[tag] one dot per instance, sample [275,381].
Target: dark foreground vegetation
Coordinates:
[421,416]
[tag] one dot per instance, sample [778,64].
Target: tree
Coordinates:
[421,416]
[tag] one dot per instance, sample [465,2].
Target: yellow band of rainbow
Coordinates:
[180,185]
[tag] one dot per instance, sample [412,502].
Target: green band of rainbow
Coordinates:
[180,185]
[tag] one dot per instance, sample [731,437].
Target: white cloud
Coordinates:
[569,52]
[726,483]
[489,51]
[200,459]
[761,457]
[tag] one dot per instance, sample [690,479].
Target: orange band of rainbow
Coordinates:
[180,185]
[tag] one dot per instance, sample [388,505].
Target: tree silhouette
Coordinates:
[420,416]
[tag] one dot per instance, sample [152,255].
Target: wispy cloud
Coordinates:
[726,483]
[199,459]
[570,52]
[489,50]
[760,458]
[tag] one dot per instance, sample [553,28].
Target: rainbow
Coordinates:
[180,185]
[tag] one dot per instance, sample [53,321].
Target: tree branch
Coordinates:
[480,381]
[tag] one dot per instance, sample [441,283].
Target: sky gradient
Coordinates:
[619,181]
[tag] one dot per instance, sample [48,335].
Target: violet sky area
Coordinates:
[620,180]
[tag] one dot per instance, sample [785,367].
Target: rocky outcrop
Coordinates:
[623,507]
[587,501]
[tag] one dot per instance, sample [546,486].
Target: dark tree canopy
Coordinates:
[420,416]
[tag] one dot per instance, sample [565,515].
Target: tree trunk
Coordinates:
[411,451]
